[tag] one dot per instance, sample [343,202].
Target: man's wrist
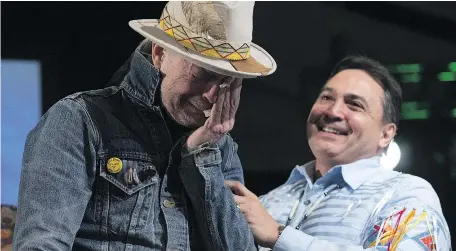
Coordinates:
[276,235]
[191,148]
[187,150]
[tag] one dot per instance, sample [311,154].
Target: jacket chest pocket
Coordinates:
[128,191]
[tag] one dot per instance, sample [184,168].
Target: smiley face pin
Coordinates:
[114,165]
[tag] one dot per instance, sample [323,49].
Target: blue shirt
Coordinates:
[366,207]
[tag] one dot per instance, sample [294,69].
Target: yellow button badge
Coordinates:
[114,165]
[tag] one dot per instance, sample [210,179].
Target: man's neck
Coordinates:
[322,167]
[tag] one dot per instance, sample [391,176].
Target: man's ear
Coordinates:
[157,55]
[387,134]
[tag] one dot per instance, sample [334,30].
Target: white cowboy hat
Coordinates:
[214,35]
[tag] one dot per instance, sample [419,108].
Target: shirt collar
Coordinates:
[304,171]
[353,174]
[356,173]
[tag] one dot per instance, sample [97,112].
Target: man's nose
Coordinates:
[335,111]
[211,94]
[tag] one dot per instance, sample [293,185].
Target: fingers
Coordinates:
[240,199]
[242,203]
[224,109]
[238,188]
[225,116]
[217,108]
[235,96]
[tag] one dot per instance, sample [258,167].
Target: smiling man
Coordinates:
[345,199]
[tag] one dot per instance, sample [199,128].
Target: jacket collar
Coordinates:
[142,79]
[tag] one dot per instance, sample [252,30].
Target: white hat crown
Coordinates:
[215,29]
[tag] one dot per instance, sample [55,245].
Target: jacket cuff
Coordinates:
[203,155]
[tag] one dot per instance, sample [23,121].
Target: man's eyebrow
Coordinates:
[352,96]
[328,89]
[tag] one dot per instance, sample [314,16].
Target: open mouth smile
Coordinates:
[329,129]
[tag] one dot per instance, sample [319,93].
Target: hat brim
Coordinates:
[149,29]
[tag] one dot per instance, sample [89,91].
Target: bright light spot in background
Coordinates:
[21,110]
[392,156]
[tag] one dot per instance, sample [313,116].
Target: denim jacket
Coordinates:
[75,196]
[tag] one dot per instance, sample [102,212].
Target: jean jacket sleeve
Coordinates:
[411,220]
[203,171]
[56,179]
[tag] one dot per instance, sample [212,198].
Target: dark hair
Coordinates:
[393,92]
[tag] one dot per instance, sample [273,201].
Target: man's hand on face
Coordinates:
[222,116]
[265,229]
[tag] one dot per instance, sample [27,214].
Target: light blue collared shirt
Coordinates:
[366,207]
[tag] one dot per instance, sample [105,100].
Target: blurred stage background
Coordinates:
[52,49]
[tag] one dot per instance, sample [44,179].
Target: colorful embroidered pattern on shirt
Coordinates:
[405,224]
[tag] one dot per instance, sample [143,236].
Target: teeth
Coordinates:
[207,113]
[330,130]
